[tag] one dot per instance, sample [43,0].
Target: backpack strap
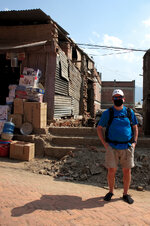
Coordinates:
[129,115]
[111,116]
[131,123]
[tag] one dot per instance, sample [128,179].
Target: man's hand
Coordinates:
[101,137]
[133,145]
[105,145]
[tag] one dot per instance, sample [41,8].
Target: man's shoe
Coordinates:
[108,196]
[127,198]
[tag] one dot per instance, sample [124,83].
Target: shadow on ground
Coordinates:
[59,202]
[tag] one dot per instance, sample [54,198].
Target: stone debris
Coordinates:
[140,188]
[87,166]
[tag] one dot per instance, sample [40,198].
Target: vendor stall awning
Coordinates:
[23,46]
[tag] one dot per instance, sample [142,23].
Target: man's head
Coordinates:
[118,97]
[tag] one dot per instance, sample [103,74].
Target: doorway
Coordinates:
[8,76]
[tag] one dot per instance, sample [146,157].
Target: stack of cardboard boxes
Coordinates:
[35,113]
[25,106]
[31,112]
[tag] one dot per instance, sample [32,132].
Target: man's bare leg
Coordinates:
[111,179]
[126,180]
[126,183]
[111,183]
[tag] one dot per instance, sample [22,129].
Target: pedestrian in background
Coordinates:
[119,141]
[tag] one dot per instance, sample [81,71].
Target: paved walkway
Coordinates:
[38,200]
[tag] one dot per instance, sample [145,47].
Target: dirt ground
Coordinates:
[86,166]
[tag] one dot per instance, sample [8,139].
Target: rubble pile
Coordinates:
[87,166]
[79,121]
[66,123]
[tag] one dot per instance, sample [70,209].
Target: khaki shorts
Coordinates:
[124,156]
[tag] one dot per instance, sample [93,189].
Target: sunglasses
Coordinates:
[118,98]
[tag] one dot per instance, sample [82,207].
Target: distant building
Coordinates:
[127,87]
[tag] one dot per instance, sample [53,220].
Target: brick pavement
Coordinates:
[38,200]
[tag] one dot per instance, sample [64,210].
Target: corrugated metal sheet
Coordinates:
[74,88]
[75,81]
[67,103]
[75,106]
[61,84]
[62,106]
[64,65]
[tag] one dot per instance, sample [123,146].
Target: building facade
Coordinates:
[146,93]
[127,87]
[71,82]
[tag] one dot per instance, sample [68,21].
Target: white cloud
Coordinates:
[146,22]
[147,36]
[120,54]
[130,45]
[91,41]
[96,34]
[112,41]
[131,57]
[6,9]
[146,41]
[120,64]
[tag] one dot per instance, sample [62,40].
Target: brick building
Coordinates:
[32,38]
[127,87]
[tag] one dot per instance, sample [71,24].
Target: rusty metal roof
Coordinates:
[23,17]
[26,17]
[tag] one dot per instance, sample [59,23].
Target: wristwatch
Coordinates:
[135,141]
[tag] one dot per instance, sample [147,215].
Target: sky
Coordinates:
[110,23]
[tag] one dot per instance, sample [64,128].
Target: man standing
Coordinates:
[120,141]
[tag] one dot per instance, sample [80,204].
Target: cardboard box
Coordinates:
[19,106]
[16,119]
[22,150]
[36,113]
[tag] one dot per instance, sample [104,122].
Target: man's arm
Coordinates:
[101,136]
[135,131]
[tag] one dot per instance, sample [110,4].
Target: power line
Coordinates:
[110,53]
[111,47]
